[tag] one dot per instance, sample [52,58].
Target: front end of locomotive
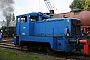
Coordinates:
[70,32]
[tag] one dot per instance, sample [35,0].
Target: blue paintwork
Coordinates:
[54,27]
[45,31]
[15,41]
[64,44]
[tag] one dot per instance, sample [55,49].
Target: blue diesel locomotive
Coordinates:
[37,30]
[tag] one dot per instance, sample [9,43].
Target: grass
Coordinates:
[6,54]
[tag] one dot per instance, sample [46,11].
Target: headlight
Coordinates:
[1,30]
[67,33]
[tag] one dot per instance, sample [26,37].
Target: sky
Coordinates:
[28,6]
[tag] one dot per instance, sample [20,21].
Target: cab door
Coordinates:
[17,25]
[24,26]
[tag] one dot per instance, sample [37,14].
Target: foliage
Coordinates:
[87,5]
[80,4]
[13,17]
[75,4]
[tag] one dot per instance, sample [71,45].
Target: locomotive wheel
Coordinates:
[21,48]
[29,48]
[49,50]
[39,48]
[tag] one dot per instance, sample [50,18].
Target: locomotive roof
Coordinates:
[61,19]
[35,14]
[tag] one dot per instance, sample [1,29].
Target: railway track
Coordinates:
[7,40]
[9,44]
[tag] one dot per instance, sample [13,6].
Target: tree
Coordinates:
[80,4]
[87,5]
[13,17]
[75,4]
